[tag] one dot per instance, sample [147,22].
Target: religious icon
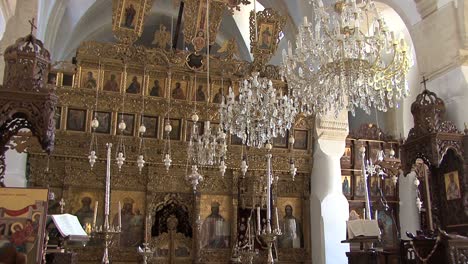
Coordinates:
[389,188]
[133,84]
[58,117]
[235,140]
[387,227]
[179,90]
[452,185]
[290,224]
[266,36]
[218,95]
[89,79]
[281,141]
[76,119]
[22,224]
[162,38]
[129,120]
[132,218]
[67,79]
[215,230]
[300,139]
[200,93]
[156,88]
[345,185]
[199,40]
[52,78]
[111,81]
[85,213]
[360,188]
[175,132]
[130,14]
[151,124]
[104,119]
[200,125]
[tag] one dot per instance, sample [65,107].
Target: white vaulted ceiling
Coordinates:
[64,24]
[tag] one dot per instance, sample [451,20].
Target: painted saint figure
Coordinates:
[292,230]
[156,90]
[85,213]
[200,96]
[266,39]
[130,13]
[345,186]
[215,230]
[90,81]
[134,86]
[111,84]
[132,224]
[453,191]
[218,97]
[178,92]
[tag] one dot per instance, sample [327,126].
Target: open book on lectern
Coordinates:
[69,227]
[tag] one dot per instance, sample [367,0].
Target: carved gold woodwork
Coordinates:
[69,171]
[26,102]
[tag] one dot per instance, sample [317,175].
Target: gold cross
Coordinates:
[31,22]
[424,81]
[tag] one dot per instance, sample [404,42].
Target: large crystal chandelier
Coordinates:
[346,58]
[259,114]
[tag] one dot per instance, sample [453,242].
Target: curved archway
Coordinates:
[398,120]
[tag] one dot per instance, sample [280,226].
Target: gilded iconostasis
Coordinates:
[154,85]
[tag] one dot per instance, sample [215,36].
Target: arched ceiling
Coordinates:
[64,24]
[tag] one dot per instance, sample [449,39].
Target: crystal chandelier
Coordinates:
[207,149]
[347,58]
[259,114]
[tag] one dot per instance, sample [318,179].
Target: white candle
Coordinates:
[259,226]
[268,192]
[289,48]
[277,219]
[120,215]
[305,21]
[95,214]
[376,215]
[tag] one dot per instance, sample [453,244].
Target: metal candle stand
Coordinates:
[106,232]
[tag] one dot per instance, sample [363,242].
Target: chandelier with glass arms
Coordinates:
[258,114]
[346,58]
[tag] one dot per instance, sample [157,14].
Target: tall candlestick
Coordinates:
[146,229]
[120,215]
[259,226]
[95,214]
[268,192]
[107,195]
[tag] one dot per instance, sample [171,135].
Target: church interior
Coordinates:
[234,131]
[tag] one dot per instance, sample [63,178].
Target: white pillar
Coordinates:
[329,208]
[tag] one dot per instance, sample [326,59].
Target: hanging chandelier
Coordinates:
[258,114]
[347,58]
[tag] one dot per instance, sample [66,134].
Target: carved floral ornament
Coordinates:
[25,100]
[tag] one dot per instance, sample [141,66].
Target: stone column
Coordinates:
[329,208]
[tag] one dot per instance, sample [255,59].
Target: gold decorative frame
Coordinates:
[192,12]
[124,34]
[266,19]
